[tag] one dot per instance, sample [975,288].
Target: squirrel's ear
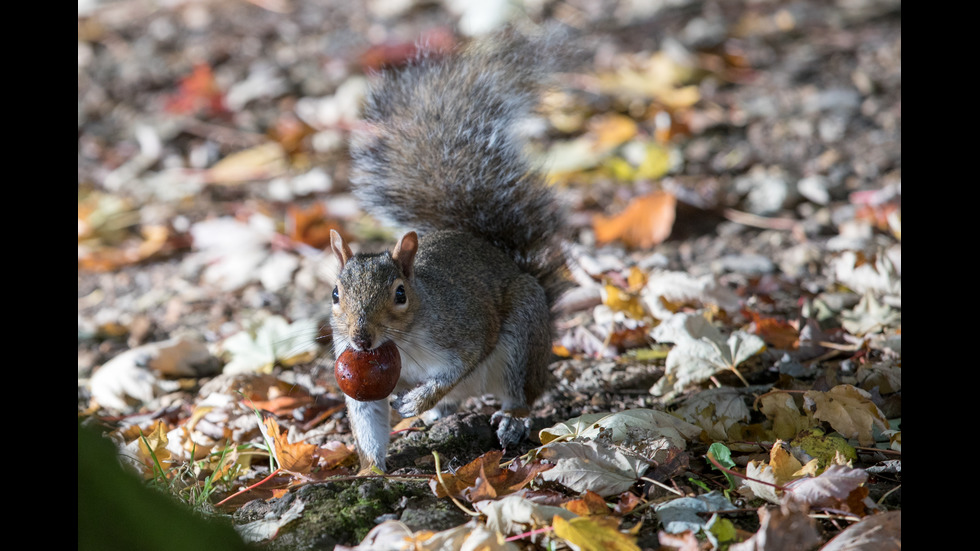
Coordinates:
[404,253]
[340,249]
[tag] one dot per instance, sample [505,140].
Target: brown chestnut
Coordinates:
[368,375]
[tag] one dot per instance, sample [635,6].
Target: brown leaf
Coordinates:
[627,502]
[590,504]
[777,333]
[283,405]
[311,225]
[646,222]
[849,410]
[483,478]
[295,458]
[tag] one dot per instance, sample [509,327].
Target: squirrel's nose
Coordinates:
[362,340]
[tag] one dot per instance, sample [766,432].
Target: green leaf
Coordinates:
[723,456]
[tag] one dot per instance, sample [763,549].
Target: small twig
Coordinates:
[742,476]
[243,490]
[445,487]
[836,516]
[841,347]
[531,533]
[662,485]
[756,221]
[888,493]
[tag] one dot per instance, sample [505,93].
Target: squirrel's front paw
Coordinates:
[415,401]
[511,430]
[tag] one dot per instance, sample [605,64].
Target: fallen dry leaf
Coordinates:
[296,458]
[787,420]
[590,504]
[198,93]
[879,532]
[849,410]
[601,468]
[592,533]
[261,162]
[311,225]
[646,222]
[787,527]
[776,332]
[839,487]
[483,478]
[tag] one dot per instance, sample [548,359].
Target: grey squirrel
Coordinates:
[469,302]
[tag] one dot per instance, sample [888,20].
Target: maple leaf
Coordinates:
[148,452]
[667,292]
[767,480]
[515,514]
[582,466]
[483,478]
[839,487]
[716,410]
[787,421]
[849,410]
[700,352]
[617,427]
[296,458]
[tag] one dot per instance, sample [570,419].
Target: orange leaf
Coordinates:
[777,333]
[296,458]
[311,225]
[627,502]
[590,504]
[198,92]
[646,222]
[283,405]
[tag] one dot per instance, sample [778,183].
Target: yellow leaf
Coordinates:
[784,466]
[590,534]
[153,450]
[611,131]
[655,163]
[787,421]
[623,301]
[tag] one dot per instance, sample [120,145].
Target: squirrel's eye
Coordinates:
[400,295]
[336,295]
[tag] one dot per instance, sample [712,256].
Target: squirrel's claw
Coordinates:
[511,430]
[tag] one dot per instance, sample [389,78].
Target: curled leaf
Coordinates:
[646,222]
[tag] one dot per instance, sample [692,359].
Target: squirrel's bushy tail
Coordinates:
[439,149]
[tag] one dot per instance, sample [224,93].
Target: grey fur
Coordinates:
[469,304]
